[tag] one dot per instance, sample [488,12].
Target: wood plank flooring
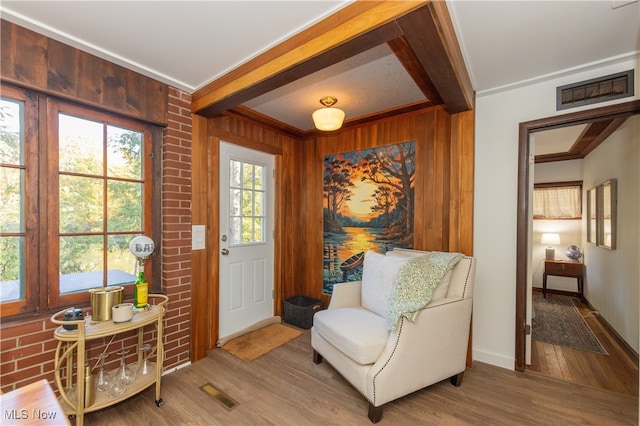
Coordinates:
[617,372]
[284,387]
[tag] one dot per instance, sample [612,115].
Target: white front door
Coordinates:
[246,232]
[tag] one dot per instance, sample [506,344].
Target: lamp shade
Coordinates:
[328,118]
[550,239]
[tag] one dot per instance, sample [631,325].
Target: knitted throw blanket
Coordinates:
[416,281]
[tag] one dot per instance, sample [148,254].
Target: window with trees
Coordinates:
[78,192]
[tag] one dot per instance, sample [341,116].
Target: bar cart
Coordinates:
[72,342]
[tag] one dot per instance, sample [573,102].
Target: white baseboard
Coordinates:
[494,359]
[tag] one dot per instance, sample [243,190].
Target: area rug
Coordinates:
[558,321]
[257,343]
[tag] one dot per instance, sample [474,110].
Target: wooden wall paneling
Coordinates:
[289,218]
[6,56]
[33,61]
[32,47]
[61,77]
[201,277]
[462,181]
[311,229]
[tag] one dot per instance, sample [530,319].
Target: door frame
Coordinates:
[522,252]
[205,205]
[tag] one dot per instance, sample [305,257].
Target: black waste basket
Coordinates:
[299,310]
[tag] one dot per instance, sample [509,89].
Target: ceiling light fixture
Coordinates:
[328,118]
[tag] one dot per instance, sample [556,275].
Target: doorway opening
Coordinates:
[525,160]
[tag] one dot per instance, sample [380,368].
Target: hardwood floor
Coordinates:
[284,387]
[616,372]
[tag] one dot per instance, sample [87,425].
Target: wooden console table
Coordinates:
[564,268]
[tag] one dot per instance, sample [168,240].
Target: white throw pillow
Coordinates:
[379,275]
[440,292]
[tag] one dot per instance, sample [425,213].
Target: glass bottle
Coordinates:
[141,287]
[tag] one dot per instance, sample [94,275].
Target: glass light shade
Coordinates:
[328,118]
[141,247]
[550,239]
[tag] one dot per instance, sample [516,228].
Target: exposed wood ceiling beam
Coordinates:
[354,29]
[406,56]
[430,34]
[604,130]
[593,135]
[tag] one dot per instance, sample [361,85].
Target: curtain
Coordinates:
[557,203]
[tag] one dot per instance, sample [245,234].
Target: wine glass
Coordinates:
[124,373]
[143,368]
[118,386]
[103,380]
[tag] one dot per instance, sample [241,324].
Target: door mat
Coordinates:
[257,343]
[558,321]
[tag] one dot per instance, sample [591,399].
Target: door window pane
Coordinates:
[246,209]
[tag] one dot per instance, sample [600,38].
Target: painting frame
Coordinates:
[368,205]
[607,202]
[592,223]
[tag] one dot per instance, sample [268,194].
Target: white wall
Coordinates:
[498,115]
[613,276]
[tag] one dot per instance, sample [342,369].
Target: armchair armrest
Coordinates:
[424,352]
[346,295]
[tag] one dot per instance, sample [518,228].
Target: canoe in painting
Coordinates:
[353,262]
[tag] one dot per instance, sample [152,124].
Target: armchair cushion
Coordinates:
[356,332]
[379,273]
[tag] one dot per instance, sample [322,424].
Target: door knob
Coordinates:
[224,252]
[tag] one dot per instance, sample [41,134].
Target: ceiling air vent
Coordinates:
[596,90]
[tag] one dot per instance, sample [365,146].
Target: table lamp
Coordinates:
[550,240]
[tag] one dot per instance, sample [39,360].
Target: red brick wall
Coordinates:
[176,227]
[27,348]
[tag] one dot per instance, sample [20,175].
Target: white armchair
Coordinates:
[384,364]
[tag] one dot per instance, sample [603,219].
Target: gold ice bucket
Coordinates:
[102,300]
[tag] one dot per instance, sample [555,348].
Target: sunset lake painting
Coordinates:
[368,205]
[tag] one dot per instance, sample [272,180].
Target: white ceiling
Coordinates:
[188,44]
